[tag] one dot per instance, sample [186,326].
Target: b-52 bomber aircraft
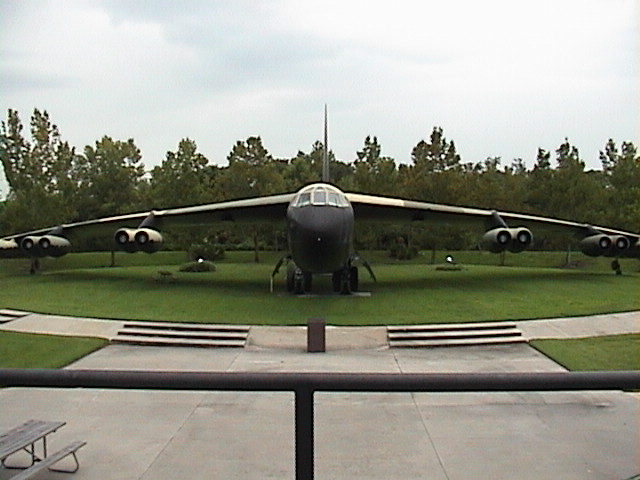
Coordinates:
[320,228]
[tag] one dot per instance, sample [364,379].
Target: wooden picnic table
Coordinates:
[25,437]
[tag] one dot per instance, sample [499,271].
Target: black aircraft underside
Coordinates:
[320,238]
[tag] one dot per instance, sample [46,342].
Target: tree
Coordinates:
[622,184]
[111,176]
[42,174]
[304,168]
[539,185]
[435,174]
[437,155]
[374,173]
[573,190]
[182,179]
[251,172]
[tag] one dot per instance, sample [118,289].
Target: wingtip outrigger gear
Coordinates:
[366,265]
[615,266]
[285,258]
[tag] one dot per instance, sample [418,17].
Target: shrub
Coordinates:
[198,266]
[206,250]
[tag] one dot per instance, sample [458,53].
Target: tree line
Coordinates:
[52,182]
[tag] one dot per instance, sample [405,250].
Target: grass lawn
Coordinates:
[615,352]
[238,292]
[26,350]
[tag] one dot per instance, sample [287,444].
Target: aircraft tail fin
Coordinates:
[326,177]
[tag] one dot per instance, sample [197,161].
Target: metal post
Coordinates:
[316,335]
[304,433]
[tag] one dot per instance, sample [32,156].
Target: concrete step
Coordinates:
[178,342]
[482,333]
[182,334]
[462,342]
[7,314]
[194,335]
[186,327]
[440,327]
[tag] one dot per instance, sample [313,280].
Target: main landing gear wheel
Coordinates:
[298,282]
[345,281]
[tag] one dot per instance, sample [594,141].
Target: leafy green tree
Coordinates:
[252,171]
[540,183]
[622,184]
[19,169]
[305,168]
[437,155]
[374,173]
[111,175]
[435,173]
[42,174]
[488,185]
[573,189]
[182,178]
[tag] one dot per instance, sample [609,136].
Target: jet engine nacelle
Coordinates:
[9,249]
[134,240]
[515,240]
[45,246]
[602,244]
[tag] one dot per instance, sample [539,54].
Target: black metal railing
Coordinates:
[304,385]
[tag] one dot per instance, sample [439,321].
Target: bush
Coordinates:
[198,266]
[206,251]
[401,251]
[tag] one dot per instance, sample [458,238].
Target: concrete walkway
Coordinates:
[338,338]
[146,435]
[143,435]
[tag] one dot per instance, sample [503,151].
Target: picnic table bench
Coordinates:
[25,437]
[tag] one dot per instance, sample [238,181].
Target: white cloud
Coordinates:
[501,77]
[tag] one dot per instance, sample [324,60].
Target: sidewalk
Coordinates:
[337,337]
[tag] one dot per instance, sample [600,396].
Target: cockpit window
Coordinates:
[304,199]
[320,195]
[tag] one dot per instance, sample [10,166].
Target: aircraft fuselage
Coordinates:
[320,229]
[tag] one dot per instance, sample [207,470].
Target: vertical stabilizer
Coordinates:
[325,157]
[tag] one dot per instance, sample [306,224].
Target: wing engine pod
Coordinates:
[601,244]
[45,246]
[133,240]
[148,240]
[521,239]
[620,243]
[497,240]
[9,248]
[124,239]
[515,240]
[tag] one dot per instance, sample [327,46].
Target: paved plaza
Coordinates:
[137,434]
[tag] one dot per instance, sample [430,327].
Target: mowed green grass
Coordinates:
[25,350]
[239,291]
[613,352]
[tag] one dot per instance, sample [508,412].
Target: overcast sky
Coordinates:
[502,78]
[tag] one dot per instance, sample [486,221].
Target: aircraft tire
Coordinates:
[307,282]
[291,278]
[345,281]
[353,279]
[336,281]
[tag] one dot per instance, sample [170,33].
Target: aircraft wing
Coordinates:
[375,208]
[255,210]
